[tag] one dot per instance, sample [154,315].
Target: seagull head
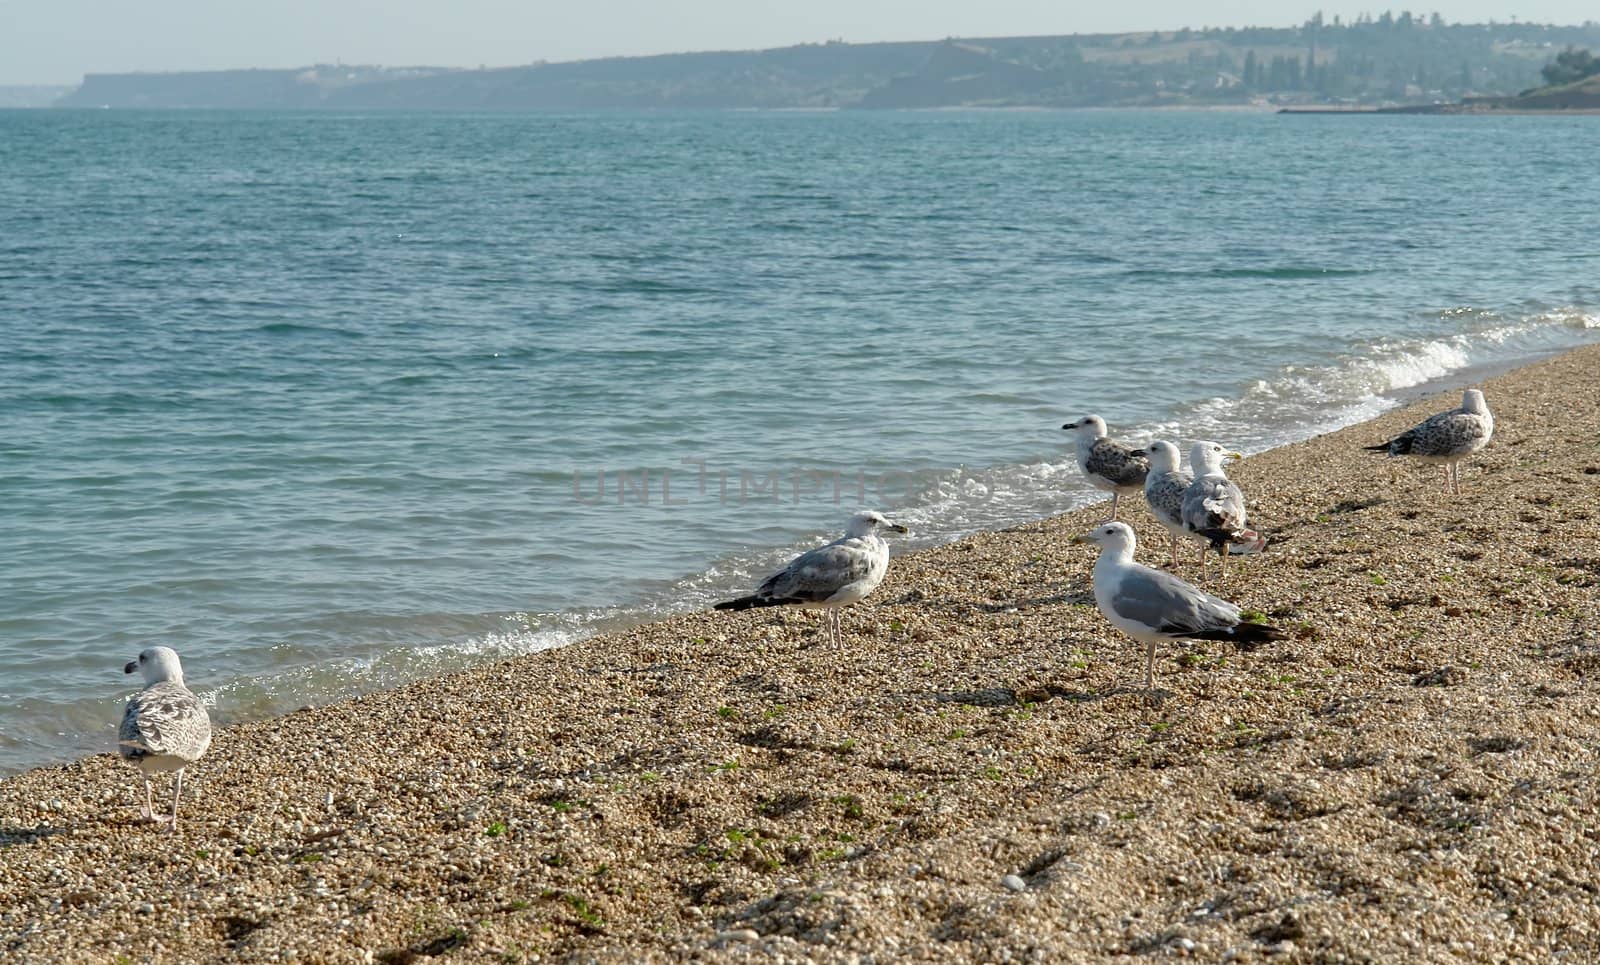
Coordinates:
[1209,456]
[157,664]
[1472,401]
[1110,536]
[1089,427]
[864,523]
[1163,456]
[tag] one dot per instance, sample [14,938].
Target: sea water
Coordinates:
[328,401]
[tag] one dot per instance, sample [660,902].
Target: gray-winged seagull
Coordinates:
[1151,606]
[829,577]
[1213,506]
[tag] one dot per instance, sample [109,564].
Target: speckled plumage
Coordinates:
[1447,437]
[1111,465]
[1214,507]
[164,726]
[1107,464]
[1164,488]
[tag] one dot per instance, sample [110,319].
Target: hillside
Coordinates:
[1384,61]
[1580,96]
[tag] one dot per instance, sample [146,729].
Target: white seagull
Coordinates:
[1213,506]
[829,577]
[1446,438]
[1107,464]
[164,727]
[1151,606]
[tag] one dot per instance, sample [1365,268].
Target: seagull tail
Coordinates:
[1247,542]
[1246,636]
[751,602]
[1221,537]
[1398,446]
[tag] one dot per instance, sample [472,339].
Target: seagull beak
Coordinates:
[898,528]
[1140,452]
[1078,540]
[1236,456]
[132,667]
[1070,425]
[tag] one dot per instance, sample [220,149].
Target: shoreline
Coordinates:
[338,652]
[707,781]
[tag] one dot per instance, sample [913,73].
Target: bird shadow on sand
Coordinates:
[1083,597]
[10,836]
[1010,697]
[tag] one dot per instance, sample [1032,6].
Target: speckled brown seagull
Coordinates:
[1446,438]
[1164,488]
[1107,464]
[164,726]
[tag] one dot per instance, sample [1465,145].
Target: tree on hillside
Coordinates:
[1570,65]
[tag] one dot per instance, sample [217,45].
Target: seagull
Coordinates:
[1213,506]
[1107,464]
[1446,438]
[1151,606]
[829,577]
[1164,488]
[164,727]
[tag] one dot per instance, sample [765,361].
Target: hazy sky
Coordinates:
[58,41]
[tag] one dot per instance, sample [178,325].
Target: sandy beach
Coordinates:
[974,775]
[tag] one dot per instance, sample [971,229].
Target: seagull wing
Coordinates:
[164,718]
[1116,462]
[816,575]
[1448,434]
[1165,494]
[1168,605]
[1213,502]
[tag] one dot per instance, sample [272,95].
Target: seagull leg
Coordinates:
[1174,554]
[1149,667]
[149,813]
[1116,501]
[177,792]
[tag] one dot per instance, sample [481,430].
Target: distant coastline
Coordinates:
[1388,63]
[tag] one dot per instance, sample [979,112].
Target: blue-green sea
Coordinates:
[326,401]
